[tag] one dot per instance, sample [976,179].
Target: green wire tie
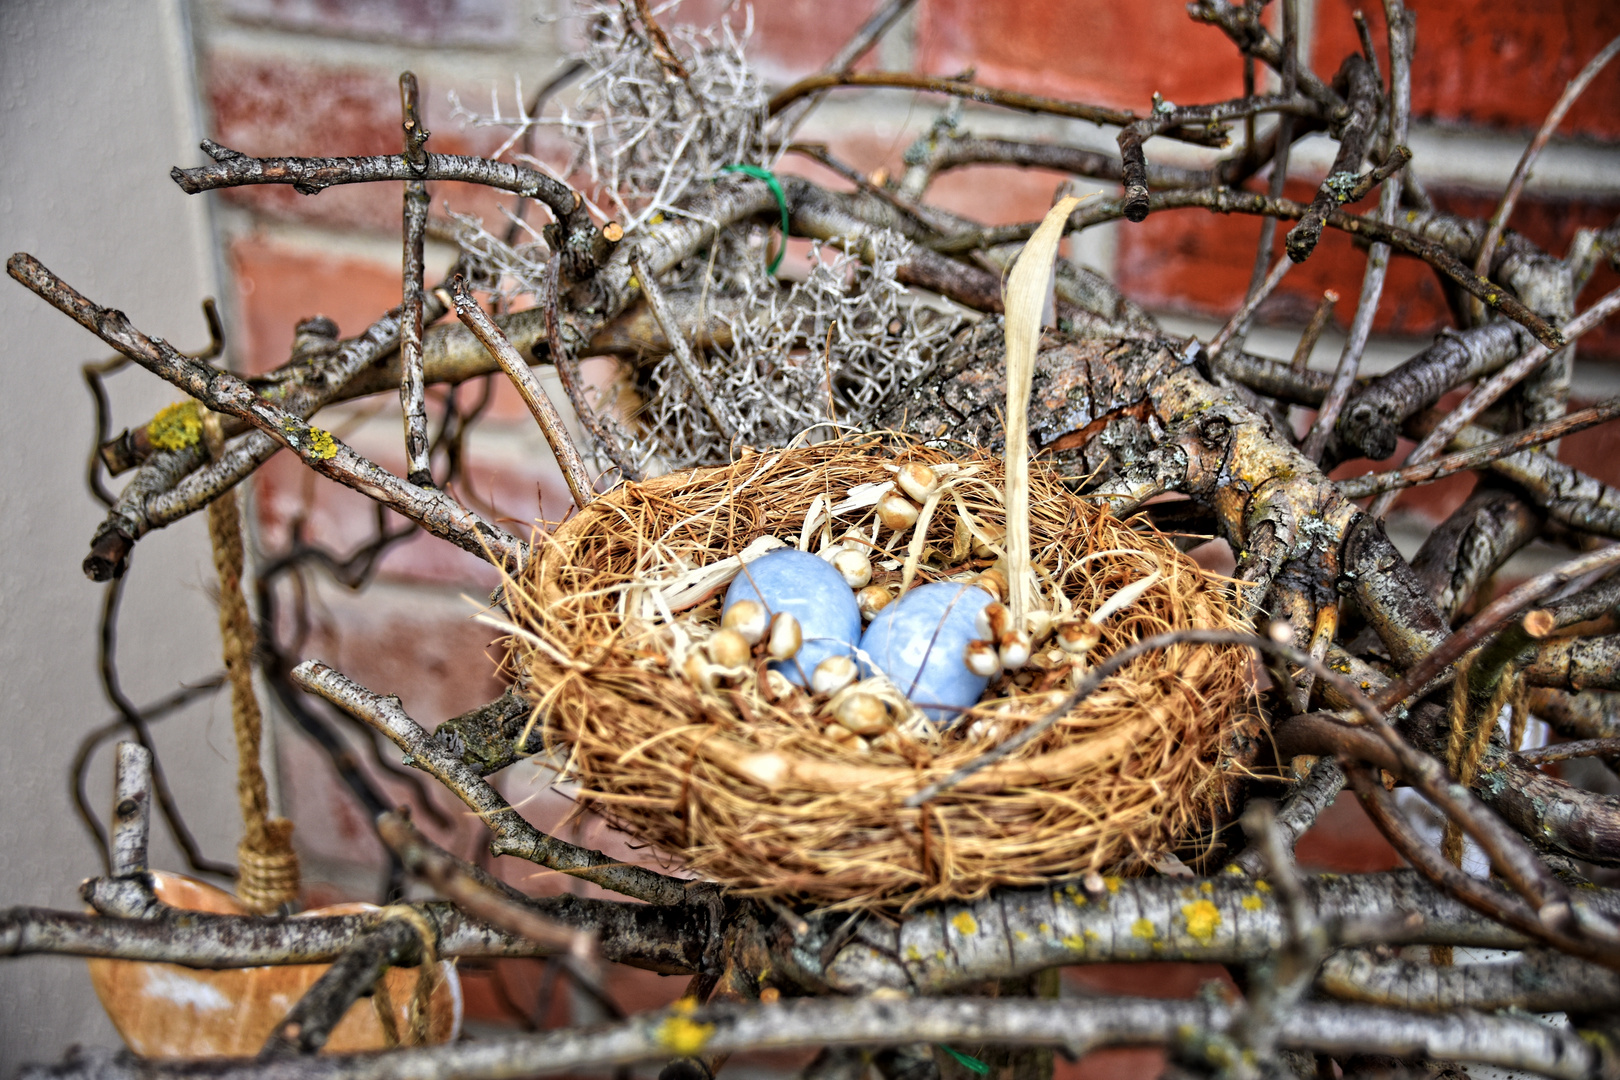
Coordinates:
[781,200]
[967,1061]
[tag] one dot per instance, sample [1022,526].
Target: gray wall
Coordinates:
[97,104]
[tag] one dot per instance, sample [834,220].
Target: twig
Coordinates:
[1313,331]
[311,175]
[1395,479]
[984,95]
[1299,811]
[223,392]
[512,834]
[1521,171]
[1278,181]
[394,942]
[132,810]
[1564,751]
[1497,615]
[1486,395]
[534,395]
[1354,136]
[1133,160]
[412,397]
[567,365]
[678,346]
[107,667]
[1076,1027]
[1301,240]
[787,121]
[477,893]
[1257,296]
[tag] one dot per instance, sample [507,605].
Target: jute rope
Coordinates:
[382,1001]
[1466,749]
[267,866]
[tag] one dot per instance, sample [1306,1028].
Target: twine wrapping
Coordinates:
[383,1002]
[1466,750]
[267,866]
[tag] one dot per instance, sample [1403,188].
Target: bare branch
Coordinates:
[223,392]
[534,395]
[512,834]
[1074,1027]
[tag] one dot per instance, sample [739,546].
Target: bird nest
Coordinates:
[742,779]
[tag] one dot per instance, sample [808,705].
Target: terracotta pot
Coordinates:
[169,1011]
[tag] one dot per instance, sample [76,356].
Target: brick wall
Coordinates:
[319,77]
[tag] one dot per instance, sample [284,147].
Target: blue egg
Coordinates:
[918,642]
[808,588]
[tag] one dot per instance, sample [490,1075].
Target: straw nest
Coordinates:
[735,780]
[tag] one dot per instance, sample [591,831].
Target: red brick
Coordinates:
[1091,50]
[420,22]
[1345,841]
[1113,1063]
[1496,65]
[279,285]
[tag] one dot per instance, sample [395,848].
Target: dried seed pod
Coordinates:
[1014,649]
[785,636]
[917,480]
[747,618]
[992,621]
[982,659]
[897,512]
[864,714]
[776,685]
[1039,625]
[838,733]
[699,672]
[1077,637]
[854,566]
[988,548]
[873,599]
[729,649]
[833,674]
[994,582]
[860,745]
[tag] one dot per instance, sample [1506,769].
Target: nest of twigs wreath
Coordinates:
[736,775]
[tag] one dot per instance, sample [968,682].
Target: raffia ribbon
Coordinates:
[267,865]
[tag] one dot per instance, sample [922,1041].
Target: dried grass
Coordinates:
[749,792]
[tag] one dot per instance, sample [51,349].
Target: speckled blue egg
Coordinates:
[918,642]
[807,587]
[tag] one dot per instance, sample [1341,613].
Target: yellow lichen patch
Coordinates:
[1144,929]
[1020,935]
[176,426]
[683,1036]
[1206,887]
[1112,883]
[321,444]
[1253,902]
[1045,928]
[1203,919]
[965,924]
[1074,941]
[1263,886]
[913,954]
